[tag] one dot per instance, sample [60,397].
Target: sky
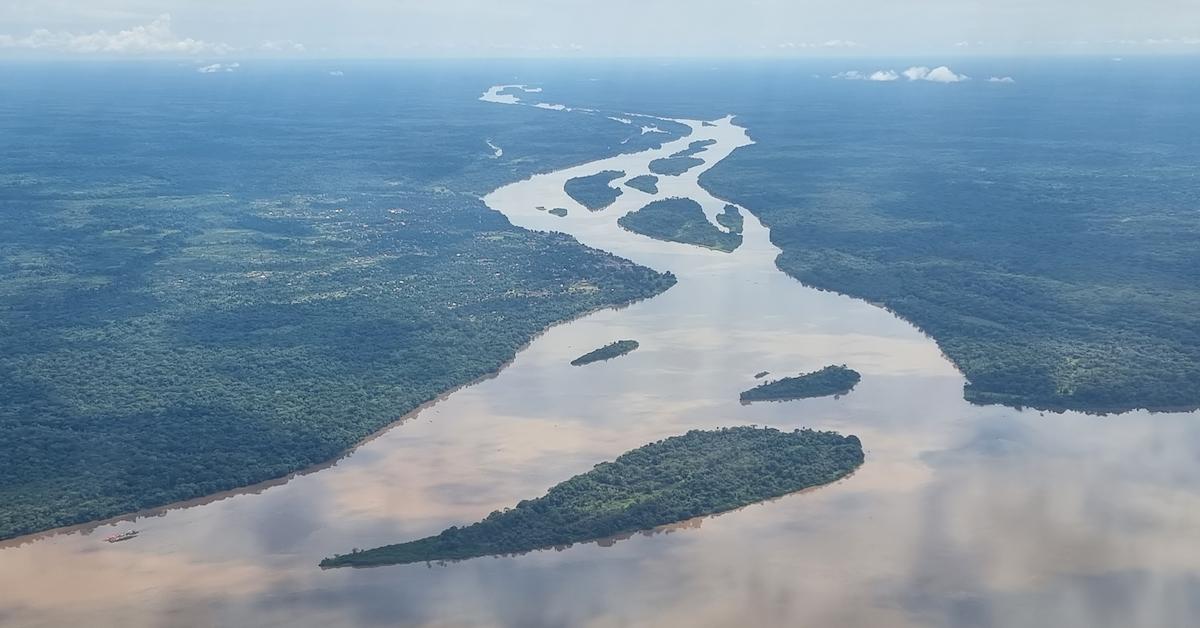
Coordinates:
[226,29]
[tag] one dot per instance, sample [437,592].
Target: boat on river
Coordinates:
[124,536]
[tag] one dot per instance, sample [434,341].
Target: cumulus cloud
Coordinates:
[153,38]
[218,67]
[336,73]
[1001,79]
[940,74]
[281,45]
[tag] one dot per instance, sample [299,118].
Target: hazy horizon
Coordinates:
[370,29]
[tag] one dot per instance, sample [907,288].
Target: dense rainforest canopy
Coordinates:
[188,308]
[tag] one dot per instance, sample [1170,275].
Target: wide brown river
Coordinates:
[961,516]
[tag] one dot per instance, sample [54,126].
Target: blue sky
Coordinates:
[565,28]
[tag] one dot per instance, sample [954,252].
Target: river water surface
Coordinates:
[961,515]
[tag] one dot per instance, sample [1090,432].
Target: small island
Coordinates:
[559,211]
[607,352]
[594,191]
[679,478]
[680,220]
[731,219]
[647,183]
[761,374]
[831,380]
[680,162]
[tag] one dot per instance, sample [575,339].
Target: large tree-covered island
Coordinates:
[679,478]
[683,220]
[594,191]
[831,380]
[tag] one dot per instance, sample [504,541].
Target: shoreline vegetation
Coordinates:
[607,352]
[676,479]
[831,380]
[682,220]
[594,191]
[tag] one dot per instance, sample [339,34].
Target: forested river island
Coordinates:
[668,481]
[831,380]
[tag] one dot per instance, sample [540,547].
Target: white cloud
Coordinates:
[153,38]
[336,73]
[217,67]
[883,75]
[943,74]
[1001,79]
[281,45]
[850,75]
[940,74]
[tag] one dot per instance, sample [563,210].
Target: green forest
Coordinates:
[831,380]
[183,312]
[1052,277]
[594,191]
[681,220]
[607,352]
[671,480]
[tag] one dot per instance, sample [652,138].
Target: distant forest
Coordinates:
[1055,271]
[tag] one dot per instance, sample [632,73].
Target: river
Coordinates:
[961,516]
